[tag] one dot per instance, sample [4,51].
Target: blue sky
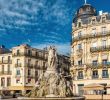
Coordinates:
[41,22]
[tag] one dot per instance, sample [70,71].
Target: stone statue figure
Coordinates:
[52,57]
[51,83]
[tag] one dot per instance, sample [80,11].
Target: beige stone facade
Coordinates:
[90,49]
[21,67]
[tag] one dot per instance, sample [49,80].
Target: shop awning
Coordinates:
[93,86]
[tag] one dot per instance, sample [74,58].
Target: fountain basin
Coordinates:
[52,98]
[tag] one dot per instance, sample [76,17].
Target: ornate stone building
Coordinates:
[21,67]
[90,56]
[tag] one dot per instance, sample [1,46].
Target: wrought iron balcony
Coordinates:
[18,65]
[91,35]
[80,65]
[6,62]
[5,72]
[95,76]
[17,76]
[105,76]
[30,76]
[80,77]
[30,55]
[77,38]
[99,65]
[29,65]
[100,48]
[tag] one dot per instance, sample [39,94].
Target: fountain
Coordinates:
[52,85]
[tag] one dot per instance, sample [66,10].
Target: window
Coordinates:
[2,59]
[44,64]
[8,81]
[94,62]
[36,53]
[18,72]
[103,19]
[29,80]
[103,30]
[17,80]
[2,68]
[36,74]
[18,61]
[79,24]
[18,52]
[80,75]
[80,62]
[94,31]
[29,62]
[104,43]
[80,89]
[95,74]
[79,46]
[105,73]
[104,61]
[3,81]
[8,68]
[9,58]
[29,72]
[29,52]
[36,63]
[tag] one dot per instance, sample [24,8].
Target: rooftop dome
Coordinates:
[85,11]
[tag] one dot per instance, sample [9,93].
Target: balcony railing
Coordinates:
[29,65]
[87,36]
[100,48]
[80,77]
[5,72]
[30,76]
[18,75]
[99,65]
[105,76]
[6,62]
[95,76]
[30,55]
[18,65]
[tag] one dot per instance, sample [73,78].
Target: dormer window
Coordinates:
[103,19]
[88,9]
[81,10]
[18,52]
[79,24]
